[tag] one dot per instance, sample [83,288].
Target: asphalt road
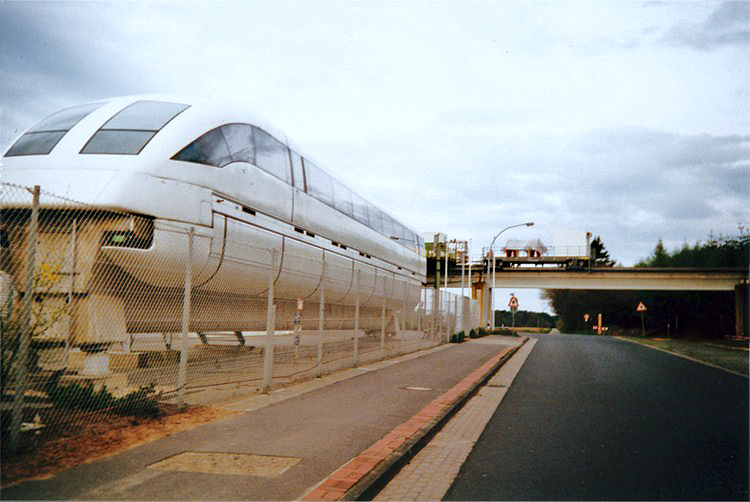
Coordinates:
[596,418]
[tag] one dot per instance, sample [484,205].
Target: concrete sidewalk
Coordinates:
[324,439]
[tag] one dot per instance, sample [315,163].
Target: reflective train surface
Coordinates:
[147,169]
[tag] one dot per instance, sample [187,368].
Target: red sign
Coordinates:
[641,307]
[513,303]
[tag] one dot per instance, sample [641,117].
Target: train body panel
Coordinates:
[243,212]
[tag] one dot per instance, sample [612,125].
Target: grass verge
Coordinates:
[728,358]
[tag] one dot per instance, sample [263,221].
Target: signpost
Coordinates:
[513,304]
[642,308]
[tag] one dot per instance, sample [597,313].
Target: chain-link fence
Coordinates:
[120,313]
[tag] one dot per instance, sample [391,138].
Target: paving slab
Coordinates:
[431,472]
[311,435]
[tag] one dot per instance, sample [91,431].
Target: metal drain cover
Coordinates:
[264,466]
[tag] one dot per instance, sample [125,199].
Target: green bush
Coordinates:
[80,396]
[140,403]
[458,337]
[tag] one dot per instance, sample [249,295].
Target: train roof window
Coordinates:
[42,138]
[118,141]
[130,130]
[145,116]
[35,143]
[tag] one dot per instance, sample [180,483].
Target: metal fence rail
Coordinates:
[93,319]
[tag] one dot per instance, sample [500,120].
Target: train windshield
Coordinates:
[130,130]
[42,138]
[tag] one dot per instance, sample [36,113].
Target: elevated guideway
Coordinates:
[605,278]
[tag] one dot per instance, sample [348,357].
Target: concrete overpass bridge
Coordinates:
[605,278]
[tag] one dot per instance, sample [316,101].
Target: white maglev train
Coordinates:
[158,166]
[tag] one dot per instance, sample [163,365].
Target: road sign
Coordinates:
[642,308]
[513,303]
[300,304]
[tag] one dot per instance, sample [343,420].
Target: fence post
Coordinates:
[19,380]
[382,330]
[321,321]
[71,289]
[356,322]
[420,310]
[455,315]
[182,373]
[270,328]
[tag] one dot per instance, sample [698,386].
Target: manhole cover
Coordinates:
[421,389]
[265,466]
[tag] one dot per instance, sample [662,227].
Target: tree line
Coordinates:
[688,314]
[525,318]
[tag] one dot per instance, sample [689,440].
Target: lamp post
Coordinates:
[492,257]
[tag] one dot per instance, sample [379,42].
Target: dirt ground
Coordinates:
[90,436]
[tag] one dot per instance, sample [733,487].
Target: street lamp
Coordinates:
[492,257]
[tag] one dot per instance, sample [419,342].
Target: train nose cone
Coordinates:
[78,185]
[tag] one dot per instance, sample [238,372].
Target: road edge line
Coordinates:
[704,363]
[370,470]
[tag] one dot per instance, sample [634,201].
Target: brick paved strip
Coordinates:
[362,472]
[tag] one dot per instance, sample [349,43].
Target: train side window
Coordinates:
[387,225]
[360,209]
[398,231]
[211,149]
[239,138]
[342,198]
[318,183]
[297,171]
[42,138]
[271,155]
[376,220]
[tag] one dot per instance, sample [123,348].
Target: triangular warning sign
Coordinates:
[513,302]
[641,307]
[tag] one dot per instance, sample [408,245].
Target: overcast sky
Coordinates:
[631,120]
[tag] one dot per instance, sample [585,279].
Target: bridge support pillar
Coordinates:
[741,310]
[479,292]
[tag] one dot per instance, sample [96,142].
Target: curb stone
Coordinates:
[366,473]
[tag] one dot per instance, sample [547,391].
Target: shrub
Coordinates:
[80,396]
[140,403]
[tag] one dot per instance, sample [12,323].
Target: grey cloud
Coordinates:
[46,63]
[708,150]
[728,25]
